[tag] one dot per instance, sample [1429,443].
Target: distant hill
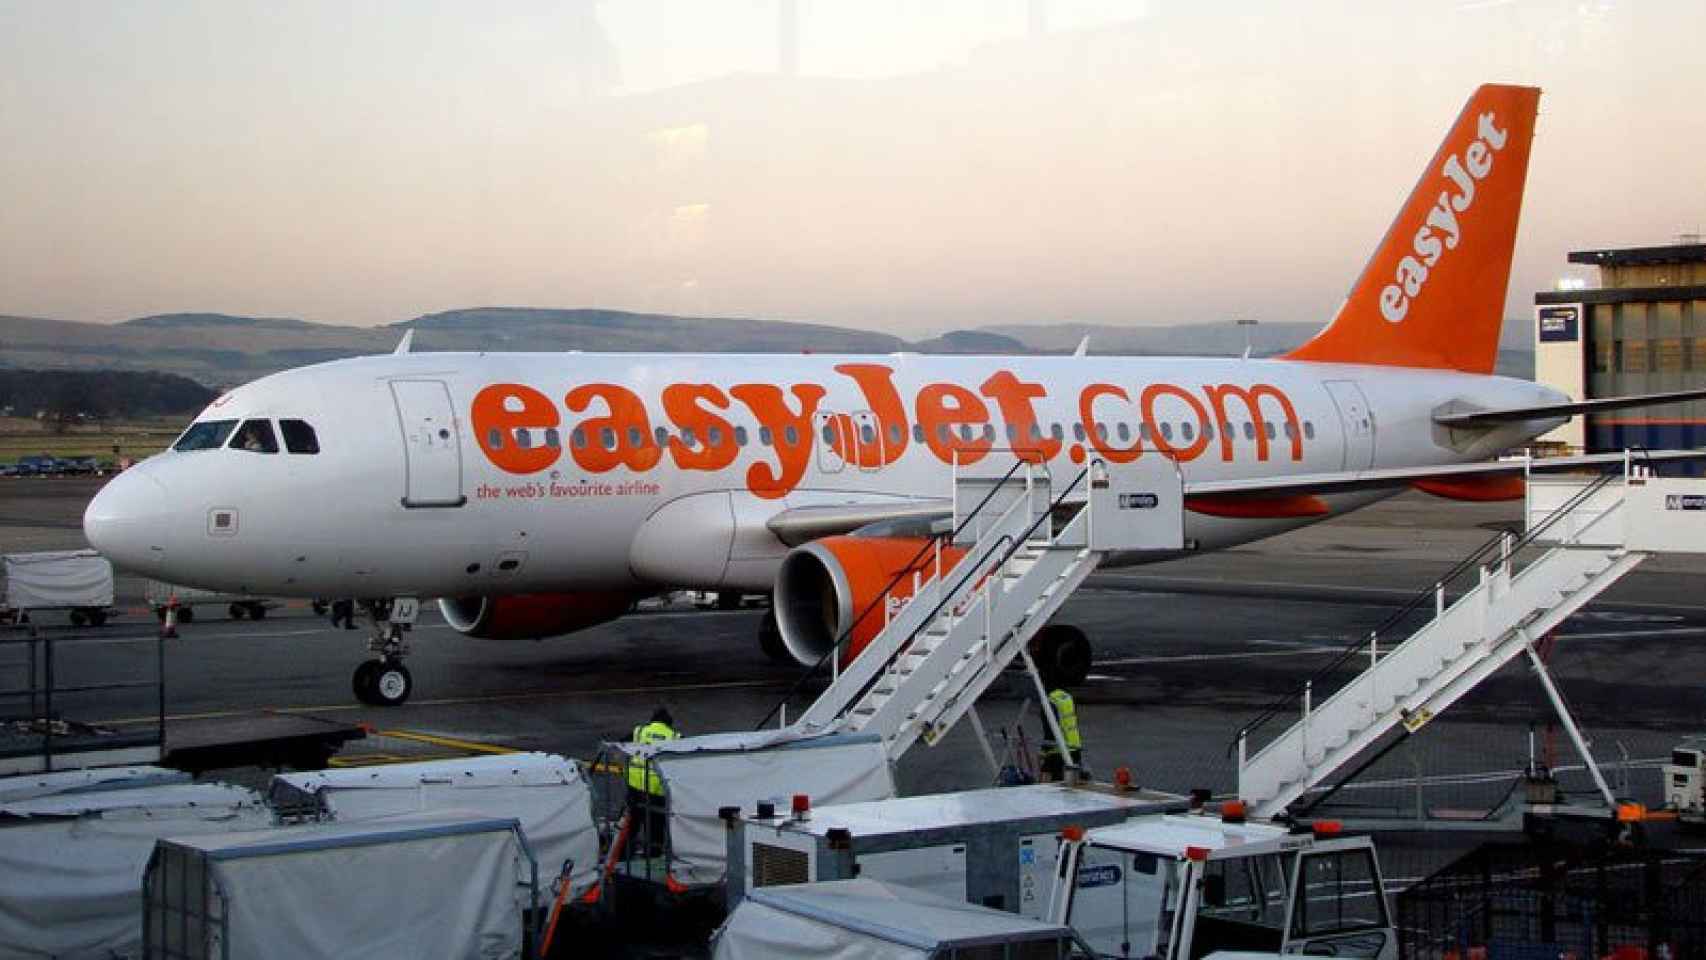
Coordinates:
[66,394]
[222,350]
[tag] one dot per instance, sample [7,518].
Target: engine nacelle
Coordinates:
[531,615]
[824,585]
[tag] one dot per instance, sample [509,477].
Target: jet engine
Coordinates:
[531,615]
[823,586]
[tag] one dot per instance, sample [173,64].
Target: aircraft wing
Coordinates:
[1487,418]
[1348,480]
[1259,497]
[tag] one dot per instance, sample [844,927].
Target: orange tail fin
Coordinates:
[1433,294]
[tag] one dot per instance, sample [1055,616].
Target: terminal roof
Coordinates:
[1639,256]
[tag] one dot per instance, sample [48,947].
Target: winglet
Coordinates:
[404,344]
[1433,294]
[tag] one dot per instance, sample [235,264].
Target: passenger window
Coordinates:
[965,431]
[918,433]
[662,436]
[552,438]
[1055,431]
[608,436]
[714,437]
[942,432]
[1124,430]
[1290,430]
[1078,432]
[578,439]
[764,436]
[1208,431]
[792,435]
[1186,432]
[740,436]
[495,438]
[894,433]
[828,432]
[1012,433]
[1036,431]
[1268,428]
[523,439]
[867,435]
[1102,432]
[255,436]
[635,437]
[206,435]
[1146,432]
[689,437]
[299,436]
[988,432]
[1249,431]
[1166,434]
[1309,429]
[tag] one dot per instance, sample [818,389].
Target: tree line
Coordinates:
[99,394]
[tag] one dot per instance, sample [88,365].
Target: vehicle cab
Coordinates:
[1188,886]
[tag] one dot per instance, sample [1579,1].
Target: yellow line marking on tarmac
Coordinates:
[453,743]
[385,759]
[444,701]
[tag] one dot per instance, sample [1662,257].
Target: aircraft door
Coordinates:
[432,453]
[1358,422]
[867,436]
[829,436]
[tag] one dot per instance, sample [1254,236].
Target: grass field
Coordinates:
[134,439]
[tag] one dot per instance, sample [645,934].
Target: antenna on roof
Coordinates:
[403,345]
[1083,346]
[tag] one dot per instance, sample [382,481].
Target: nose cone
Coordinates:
[130,519]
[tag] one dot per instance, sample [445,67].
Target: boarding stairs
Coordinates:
[1027,547]
[1588,531]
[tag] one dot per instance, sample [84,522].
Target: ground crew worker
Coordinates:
[343,611]
[1066,715]
[645,787]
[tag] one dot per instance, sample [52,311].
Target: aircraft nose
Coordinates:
[129,520]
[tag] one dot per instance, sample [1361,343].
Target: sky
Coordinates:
[887,165]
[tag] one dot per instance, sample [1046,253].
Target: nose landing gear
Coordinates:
[383,681]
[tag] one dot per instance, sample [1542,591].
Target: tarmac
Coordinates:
[1185,653]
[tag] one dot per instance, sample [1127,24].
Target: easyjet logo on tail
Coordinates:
[1460,173]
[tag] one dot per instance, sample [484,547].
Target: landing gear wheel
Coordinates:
[728,600]
[770,639]
[78,618]
[238,611]
[362,683]
[392,684]
[1063,655]
[257,611]
[186,614]
[97,618]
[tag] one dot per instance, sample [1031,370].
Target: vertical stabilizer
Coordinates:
[1433,294]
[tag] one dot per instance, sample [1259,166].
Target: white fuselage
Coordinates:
[442,474]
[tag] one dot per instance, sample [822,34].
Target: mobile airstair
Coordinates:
[1587,532]
[1027,546]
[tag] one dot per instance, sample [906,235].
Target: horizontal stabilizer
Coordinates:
[1489,418]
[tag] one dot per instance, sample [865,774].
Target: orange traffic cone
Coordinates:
[169,626]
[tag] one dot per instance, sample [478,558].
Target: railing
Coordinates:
[1506,547]
[972,569]
[934,543]
[33,732]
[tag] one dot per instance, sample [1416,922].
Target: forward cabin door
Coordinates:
[432,453]
[1358,423]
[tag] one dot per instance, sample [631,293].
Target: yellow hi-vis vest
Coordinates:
[1066,713]
[640,774]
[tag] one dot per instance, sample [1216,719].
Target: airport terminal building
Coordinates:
[1642,330]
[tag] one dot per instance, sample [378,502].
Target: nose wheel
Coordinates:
[383,683]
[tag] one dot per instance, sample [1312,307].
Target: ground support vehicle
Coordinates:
[160,595]
[79,582]
[1180,887]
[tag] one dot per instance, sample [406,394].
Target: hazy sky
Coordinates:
[908,167]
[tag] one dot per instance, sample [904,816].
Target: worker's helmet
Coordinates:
[661,715]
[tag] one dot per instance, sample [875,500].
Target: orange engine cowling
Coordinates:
[825,585]
[531,615]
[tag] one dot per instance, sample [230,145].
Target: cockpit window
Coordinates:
[299,436]
[255,436]
[206,435]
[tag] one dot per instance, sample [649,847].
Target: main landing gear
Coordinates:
[383,681]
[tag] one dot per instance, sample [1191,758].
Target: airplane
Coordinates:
[538,494]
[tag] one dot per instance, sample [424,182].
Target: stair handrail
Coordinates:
[911,566]
[1284,705]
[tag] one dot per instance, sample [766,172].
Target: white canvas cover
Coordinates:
[31,785]
[546,792]
[436,885]
[865,918]
[58,579]
[71,864]
[740,770]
